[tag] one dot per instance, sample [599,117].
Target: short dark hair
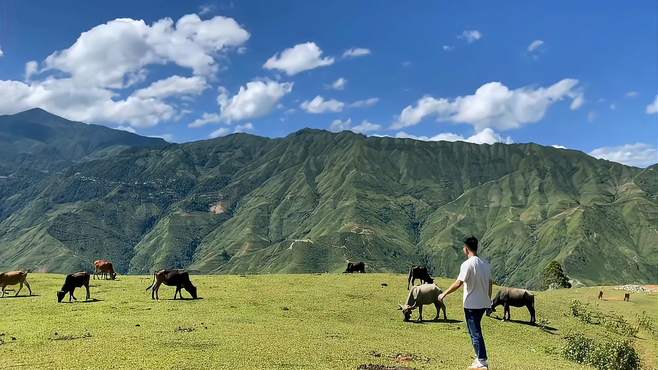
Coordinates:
[471,243]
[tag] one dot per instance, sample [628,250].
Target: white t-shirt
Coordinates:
[476,275]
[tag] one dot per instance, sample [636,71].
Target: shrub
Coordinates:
[609,354]
[554,276]
[616,323]
[645,322]
[619,325]
[583,312]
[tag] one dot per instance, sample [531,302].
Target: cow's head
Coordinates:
[60,295]
[113,275]
[429,280]
[406,311]
[192,290]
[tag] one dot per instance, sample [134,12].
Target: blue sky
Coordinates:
[582,75]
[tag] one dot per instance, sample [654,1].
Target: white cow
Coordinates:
[421,295]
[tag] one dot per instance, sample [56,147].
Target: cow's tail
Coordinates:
[153,282]
[411,272]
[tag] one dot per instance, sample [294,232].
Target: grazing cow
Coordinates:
[104,268]
[77,280]
[355,267]
[513,297]
[627,297]
[600,294]
[178,278]
[13,278]
[421,295]
[421,273]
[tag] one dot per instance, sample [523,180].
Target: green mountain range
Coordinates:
[72,193]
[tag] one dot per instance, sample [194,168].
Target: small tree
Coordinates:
[554,276]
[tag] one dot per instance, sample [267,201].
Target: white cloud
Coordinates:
[470,36]
[256,99]
[652,108]
[115,54]
[223,131]
[205,119]
[559,146]
[493,105]
[126,128]
[535,45]
[448,48]
[320,105]
[206,9]
[339,84]
[2,53]
[638,154]
[356,52]
[87,81]
[365,103]
[577,101]
[31,68]
[173,86]
[301,57]
[632,94]
[486,136]
[363,128]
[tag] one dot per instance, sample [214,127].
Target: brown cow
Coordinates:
[13,278]
[627,297]
[600,294]
[178,278]
[104,268]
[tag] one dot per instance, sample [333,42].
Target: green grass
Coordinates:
[326,321]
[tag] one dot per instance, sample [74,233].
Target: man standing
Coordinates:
[475,275]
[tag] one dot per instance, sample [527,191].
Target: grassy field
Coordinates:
[282,321]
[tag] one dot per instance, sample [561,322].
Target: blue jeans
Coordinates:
[473,318]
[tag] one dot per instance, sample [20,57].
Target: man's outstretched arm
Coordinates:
[456,285]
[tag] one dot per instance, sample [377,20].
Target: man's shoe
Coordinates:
[479,365]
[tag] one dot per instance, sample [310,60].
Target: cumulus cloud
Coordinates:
[493,105]
[362,128]
[115,54]
[365,103]
[339,84]
[88,81]
[299,58]
[559,146]
[486,136]
[320,105]
[638,154]
[652,108]
[173,86]
[470,36]
[205,119]
[256,99]
[223,131]
[535,45]
[356,52]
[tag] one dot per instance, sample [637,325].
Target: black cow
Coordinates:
[77,280]
[513,297]
[355,267]
[178,278]
[418,272]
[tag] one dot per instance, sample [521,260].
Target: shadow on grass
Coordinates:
[20,296]
[546,328]
[181,299]
[448,321]
[92,300]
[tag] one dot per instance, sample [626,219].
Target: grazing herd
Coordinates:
[419,295]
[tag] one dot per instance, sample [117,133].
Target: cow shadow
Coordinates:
[92,300]
[546,328]
[20,296]
[181,299]
[448,321]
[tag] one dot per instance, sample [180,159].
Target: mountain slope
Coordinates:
[312,200]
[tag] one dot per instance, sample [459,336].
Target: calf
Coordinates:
[513,297]
[72,281]
[355,267]
[105,269]
[627,297]
[178,278]
[13,278]
[421,273]
[421,295]
[600,294]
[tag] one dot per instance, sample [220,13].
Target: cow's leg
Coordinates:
[154,292]
[19,289]
[72,296]
[506,312]
[420,313]
[531,309]
[437,305]
[176,292]
[443,306]
[28,287]
[88,294]
[3,291]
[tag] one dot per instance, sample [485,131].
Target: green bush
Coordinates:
[619,325]
[554,276]
[608,354]
[613,322]
[583,312]
[647,323]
